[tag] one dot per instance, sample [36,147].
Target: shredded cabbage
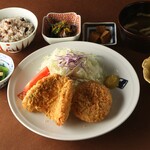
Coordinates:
[77,65]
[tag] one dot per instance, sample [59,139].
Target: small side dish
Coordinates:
[3,72]
[100,32]
[146,69]
[6,69]
[59,27]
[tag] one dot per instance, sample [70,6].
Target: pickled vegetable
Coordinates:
[111,81]
[62,29]
[3,72]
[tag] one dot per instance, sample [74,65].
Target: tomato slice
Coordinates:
[43,73]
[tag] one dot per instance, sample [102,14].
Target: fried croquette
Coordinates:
[91,101]
[52,95]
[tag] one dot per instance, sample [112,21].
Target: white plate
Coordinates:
[124,100]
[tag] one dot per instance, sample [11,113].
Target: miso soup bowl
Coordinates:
[136,41]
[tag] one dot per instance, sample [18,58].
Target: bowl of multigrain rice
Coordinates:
[18,28]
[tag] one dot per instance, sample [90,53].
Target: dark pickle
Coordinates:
[111,81]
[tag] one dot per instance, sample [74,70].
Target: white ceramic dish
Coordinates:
[14,47]
[91,26]
[69,17]
[124,100]
[6,61]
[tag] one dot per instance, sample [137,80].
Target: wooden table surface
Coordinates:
[133,134]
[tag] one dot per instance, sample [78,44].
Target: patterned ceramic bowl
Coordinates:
[70,17]
[7,62]
[11,12]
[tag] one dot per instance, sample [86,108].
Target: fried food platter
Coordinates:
[124,100]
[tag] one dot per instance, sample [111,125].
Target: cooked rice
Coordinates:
[15,29]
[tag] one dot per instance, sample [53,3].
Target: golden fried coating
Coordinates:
[91,101]
[51,95]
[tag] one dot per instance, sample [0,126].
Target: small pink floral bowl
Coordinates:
[13,12]
[70,17]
